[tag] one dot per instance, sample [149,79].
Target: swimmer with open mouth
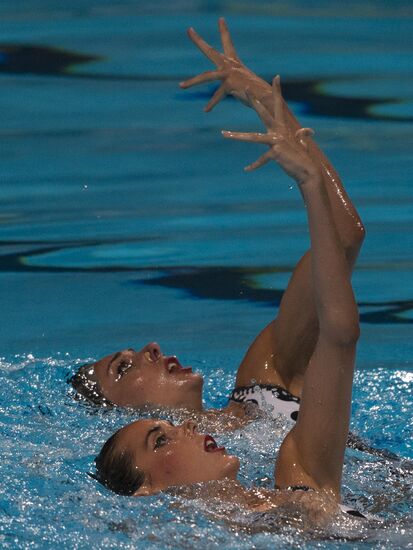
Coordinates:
[149,456]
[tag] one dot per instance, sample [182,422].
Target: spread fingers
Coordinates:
[216,98]
[263,159]
[205,48]
[278,100]
[226,40]
[207,76]
[247,136]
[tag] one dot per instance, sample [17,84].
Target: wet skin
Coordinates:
[132,378]
[174,455]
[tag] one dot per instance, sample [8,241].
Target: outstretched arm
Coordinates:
[288,342]
[312,453]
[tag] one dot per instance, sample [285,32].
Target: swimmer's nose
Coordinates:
[189,427]
[152,351]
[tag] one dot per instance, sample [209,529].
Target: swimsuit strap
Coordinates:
[345,509]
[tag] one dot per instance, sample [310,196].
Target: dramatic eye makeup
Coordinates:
[160,441]
[159,437]
[124,366]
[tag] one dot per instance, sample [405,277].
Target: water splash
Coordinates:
[49,441]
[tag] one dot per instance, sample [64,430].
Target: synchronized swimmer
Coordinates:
[303,360]
[149,456]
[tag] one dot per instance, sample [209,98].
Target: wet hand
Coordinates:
[289,150]
[235,77]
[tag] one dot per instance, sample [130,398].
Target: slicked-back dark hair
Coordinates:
[87,387]
[115,468]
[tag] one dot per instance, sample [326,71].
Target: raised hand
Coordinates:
[289,150]
[235,77]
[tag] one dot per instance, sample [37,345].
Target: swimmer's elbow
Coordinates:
[360,232]
[341,330]
[353,241]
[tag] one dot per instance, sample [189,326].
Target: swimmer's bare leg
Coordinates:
[288,342]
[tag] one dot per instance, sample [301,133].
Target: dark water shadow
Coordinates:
[199,282]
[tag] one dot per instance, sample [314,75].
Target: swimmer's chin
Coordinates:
[225,488]
[233,467]
[195,378]
[230,471]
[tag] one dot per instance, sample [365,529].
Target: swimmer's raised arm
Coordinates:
[312,454]
[288,342]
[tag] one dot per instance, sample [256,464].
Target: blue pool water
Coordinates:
[126,218]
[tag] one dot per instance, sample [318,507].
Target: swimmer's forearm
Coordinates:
[322,428]
[331,273]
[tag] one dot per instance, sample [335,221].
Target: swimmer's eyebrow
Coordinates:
[114,359]
[151,431]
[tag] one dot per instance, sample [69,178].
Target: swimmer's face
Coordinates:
[132,378]
[171,455]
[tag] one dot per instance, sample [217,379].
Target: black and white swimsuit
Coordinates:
[274,400]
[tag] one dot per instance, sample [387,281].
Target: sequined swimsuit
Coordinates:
[276,401]
[272,399]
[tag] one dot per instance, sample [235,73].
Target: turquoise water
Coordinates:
[125,218]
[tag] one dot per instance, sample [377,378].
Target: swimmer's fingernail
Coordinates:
[277,83]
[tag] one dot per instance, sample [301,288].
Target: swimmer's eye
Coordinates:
[160,441]
[123,367]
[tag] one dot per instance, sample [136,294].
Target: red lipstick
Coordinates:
[210,445]
[172,365]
